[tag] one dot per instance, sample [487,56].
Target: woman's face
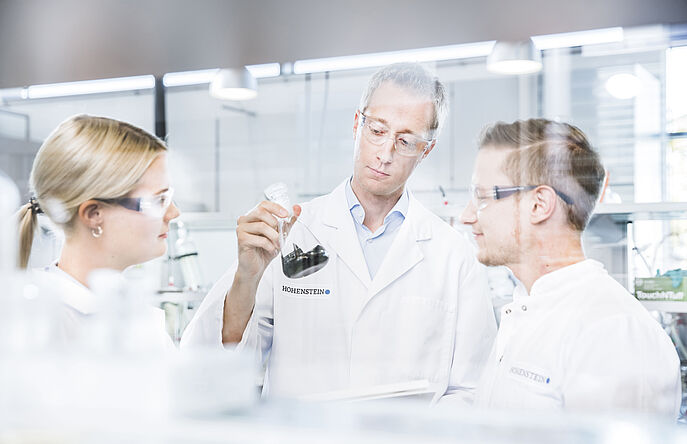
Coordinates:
[132,237]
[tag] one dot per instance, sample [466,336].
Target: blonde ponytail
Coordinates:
[27,227]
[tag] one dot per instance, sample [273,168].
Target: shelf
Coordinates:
[622,212]
[665,306]
[210,221]
[180,296]
[628,212]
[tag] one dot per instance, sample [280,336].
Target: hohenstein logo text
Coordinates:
[306,291]
[529,375]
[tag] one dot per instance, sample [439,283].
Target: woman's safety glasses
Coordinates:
[152,206]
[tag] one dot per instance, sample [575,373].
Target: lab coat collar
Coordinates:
[336,227]
[336,203]
[556,284]
[404,252]
[358,213]
[73,293]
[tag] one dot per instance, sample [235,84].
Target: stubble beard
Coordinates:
[503,256]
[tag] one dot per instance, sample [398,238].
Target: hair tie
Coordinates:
[35,207]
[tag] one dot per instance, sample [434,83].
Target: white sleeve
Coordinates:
[475,333]
[623,363]
[205,329]
[257,337]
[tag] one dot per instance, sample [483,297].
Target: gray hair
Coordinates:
[416,78]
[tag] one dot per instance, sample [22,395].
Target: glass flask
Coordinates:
[301,253]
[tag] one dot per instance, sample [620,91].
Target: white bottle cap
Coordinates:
[279,194]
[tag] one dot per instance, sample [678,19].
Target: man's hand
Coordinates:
[258,238]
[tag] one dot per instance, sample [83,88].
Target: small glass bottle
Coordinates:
[296,261]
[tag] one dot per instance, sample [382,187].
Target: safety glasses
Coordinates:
[405,144]
[481,199]
[152,206]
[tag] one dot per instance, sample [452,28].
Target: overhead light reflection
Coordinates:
[623,86]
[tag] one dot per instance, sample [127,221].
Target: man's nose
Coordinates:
[385,151]
[469,214]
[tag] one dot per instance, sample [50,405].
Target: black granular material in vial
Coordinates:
[298,264]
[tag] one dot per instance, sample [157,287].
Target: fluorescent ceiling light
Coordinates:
[185,78]
[91,87]
[450,52]
[580,38]
[7,94]
[264,70]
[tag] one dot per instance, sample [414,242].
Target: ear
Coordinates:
[355,123]
[91,214]
[543,204]
[429,148]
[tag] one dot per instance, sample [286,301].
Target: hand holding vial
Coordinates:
[258,232]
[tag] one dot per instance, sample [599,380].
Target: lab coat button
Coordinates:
[508,311]
[524,308]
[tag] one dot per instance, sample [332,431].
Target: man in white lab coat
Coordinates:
[402,298]
[573,338]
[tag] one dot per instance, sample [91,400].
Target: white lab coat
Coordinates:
[426,315]
[76,310]
[580,341]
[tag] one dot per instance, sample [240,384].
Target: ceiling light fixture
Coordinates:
[514,58]
[437,53]
[234,84]
[579,38]
[186,78]
[90,87]
[201,76]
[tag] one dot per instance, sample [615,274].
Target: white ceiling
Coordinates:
[62,40]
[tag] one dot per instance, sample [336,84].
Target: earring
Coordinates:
[97,231]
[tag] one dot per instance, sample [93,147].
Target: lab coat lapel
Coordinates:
[404,252]
[338,228]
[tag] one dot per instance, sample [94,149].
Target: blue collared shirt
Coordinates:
[376,245]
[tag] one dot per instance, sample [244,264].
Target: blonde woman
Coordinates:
[105,183]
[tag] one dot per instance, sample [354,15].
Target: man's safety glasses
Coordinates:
[481,199]
[405,144]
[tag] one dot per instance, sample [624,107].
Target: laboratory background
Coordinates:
[615,69]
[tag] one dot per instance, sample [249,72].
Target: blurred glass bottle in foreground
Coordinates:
[184,271]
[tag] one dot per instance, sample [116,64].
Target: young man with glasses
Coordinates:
[573,338]
[402,298]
